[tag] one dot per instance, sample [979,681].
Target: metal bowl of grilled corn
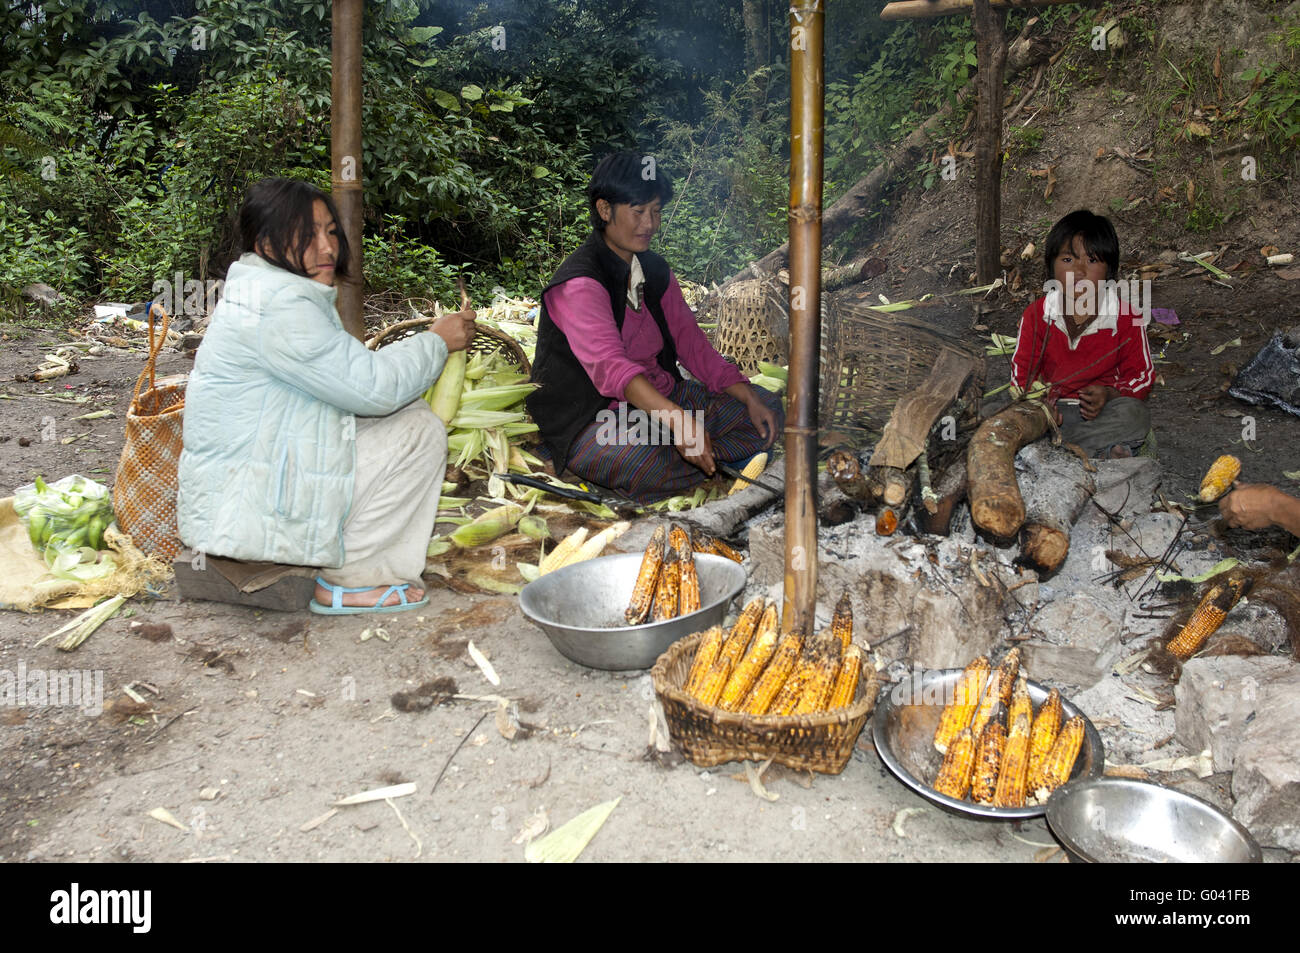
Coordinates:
[580,608]
[904,727]
[1121,820]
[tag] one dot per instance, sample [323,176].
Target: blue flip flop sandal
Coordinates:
[338,608]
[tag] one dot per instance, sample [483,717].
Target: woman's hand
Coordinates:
[759,414]
[456,328]
[691,440]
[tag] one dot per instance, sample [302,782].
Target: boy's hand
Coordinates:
[1093,398]
[1249,506]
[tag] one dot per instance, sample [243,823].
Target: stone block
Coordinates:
[1218,697]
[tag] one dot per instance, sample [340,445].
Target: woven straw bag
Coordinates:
[144,491]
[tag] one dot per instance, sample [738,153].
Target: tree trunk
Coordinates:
[927,9]
[1056,489]
[951,490]
[995,502]
[991,53]
[755,52]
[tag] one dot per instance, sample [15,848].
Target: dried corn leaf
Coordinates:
[483,664]
[166,816]
[378,794]
[564,844]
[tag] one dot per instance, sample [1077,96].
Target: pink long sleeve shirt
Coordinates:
[580,308]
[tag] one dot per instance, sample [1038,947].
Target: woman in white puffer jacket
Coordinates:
[302,446]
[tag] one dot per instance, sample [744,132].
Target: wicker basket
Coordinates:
[486,340]
[744,316]
[709,736]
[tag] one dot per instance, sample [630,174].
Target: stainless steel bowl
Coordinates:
[1121,820]
[907,715]
[580,608]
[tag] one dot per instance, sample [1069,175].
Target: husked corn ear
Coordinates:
[566,548]
[678,539]
[1218,479]
[846,679]
[1020,703]
[596,545]
[958,767]
[773,678]
[966,697]
[746,673]
[817,692]
[998,691]
[689,598]
[706,653]
[1209,615]
[752,470]
[1014,774]
[1059,764]
[788,697]
[712,684]
[646,579]
[666,593]
[749,619]
[842,621]
[1010,671]
[988,761]
[1043,735]
[704,543]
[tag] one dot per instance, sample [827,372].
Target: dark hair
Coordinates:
[276,222]
[1099,239]
[629,178]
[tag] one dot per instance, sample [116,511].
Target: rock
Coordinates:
[1061,666]
[1151,534]
[1266,774]
[1078,643]
[1126,487]
[43,294]
[1129,727]
[1218,697]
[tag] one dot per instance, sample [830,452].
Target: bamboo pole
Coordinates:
[345,153]
[807,21]
[925,9]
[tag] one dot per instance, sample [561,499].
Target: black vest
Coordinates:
[567,401]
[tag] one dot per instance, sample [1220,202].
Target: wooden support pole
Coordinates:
[927,9]
[807,22]
[345,154]
[991,52]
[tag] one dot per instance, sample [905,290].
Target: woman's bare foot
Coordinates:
[368,598]
[1117,452]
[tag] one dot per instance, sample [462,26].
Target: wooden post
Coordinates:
[991,52]
[807,21]
[927,9]
[345,153]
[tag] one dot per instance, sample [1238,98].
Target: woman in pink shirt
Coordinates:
[613,405]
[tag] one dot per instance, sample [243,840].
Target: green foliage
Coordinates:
[1274,104]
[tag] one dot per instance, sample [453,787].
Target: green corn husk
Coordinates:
[83,625]
[453,502]
[488,526]
[774,370]
[470,419]
[495,398]
[445,396]
[534,527]
[564,844]
[768,383]
[438,545]
[529,571]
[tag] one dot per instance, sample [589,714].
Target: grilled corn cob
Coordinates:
[988,760]
[846,680]
[1043,735]
[1020,703]
[1218,479]
[966,697]
[706,653]
[1014,773]
[746,673]
[1059,764]
[666,593]
[689,598]
[678,539]
[752,469]
[817,692]
[958,766]
[704,543]
[1207,618]
[792,690]
[750,618]
[998,691]
[842,621]
[712,684]
[646,579]
[774,677]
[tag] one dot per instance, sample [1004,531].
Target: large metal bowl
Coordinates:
[580,608]
[1120,820]
[903,730]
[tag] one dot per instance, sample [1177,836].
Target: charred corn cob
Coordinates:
[704,543]
[666,593]
[752,470]
[706,653]
[750,618]
[966,697]
[1020,703]
[1207,618]
[1043,735]
[689,598]
[842,621]
[816,693]
[678,539]
[1014,773]
[988,761]
[846,680]
[647,578]
[958,767]
[1059,764]
[746,673]
[998,691]
[774,677]
[1218,479]
[712,684]
[792,690]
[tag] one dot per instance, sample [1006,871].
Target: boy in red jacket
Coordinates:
[1086,342]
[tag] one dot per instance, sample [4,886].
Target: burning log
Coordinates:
[995,502]
[950,490]
[1056,489]
[853,478]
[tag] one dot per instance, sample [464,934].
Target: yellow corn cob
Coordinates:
[958,767]
[998,691]
[712,684]
[1059,764]
[690,580]
[746,673]
[988,760]
[596,545]
[566,548]
[646,579]
[788,697]
[678,539]
[966,697]
[1043,735]
[752,470]
[774,677]
[1014,774]
[842,621]
[751,617]
[704,543]
[706,653]
[666,593]
[817,692]
[1020,703]
[846,680]
[1207,618]
[1218,479]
